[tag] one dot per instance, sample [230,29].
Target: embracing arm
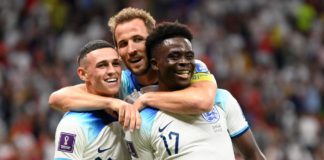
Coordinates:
[248,146]
[78,99]
[197,98]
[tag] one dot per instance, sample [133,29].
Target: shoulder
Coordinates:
[96,117]
[75,120]
[222,93]
[127,84]
[148,115]
[201,66]
[223,98]
[126,73]
[69,126]
[90,122]
[70,118]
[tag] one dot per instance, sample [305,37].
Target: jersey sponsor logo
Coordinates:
[66,143]
[211,116]
[201,68]
[131,149]
[163,128]
[103,150]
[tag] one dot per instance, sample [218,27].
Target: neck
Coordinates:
[89,89]
[163,88]
[169,88]
[148,78]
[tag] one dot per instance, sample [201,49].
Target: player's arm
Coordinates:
[248,146]
[195,99]
[238,127]
[76,98]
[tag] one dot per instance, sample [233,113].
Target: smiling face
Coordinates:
[174,61]
[130,37]
[101,70]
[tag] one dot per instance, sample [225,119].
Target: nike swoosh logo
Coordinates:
[102,150]
[162,129]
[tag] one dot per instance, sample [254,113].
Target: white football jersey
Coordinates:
[166,136]
[90,135]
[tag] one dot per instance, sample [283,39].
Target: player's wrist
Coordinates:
[141,102]
[145,99]
[115,104]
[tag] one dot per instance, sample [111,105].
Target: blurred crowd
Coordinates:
[268,54]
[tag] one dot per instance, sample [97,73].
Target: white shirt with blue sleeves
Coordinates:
[89,135]
[165,135]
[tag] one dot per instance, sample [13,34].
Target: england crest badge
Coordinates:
[211,116]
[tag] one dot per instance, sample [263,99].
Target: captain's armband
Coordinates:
[202,73]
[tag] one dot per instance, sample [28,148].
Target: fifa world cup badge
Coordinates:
[66,143]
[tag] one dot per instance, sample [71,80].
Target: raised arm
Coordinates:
[197,98]
[248,146]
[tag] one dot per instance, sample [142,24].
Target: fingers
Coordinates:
[127,116]
[132,118]
[138,120]
[121,114]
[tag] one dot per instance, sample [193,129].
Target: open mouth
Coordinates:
[185,74]
[135,60]
[111,80]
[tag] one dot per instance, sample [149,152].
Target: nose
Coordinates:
[183,61]
[131,48]
[111,70]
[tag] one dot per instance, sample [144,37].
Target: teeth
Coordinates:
[135,60]
[183,72]
[112,80]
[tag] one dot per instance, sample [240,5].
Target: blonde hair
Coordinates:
[128,14]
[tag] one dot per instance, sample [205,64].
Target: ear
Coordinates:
[154,64]
[82,73]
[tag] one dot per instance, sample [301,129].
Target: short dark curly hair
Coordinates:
[164,31]
[91,46]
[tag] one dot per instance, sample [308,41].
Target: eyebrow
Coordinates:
[101,62]
[107,61]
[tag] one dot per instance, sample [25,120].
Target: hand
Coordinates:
[129,116]
[111,112]
[139,103]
